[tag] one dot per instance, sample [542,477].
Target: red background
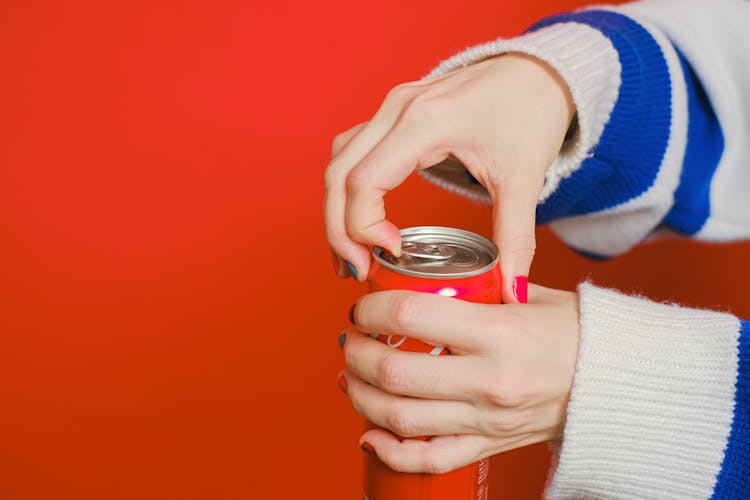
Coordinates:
[169,314]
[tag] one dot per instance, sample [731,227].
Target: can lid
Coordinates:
[440,252]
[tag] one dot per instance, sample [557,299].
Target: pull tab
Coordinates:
[427,251]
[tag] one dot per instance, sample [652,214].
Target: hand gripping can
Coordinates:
[453,263]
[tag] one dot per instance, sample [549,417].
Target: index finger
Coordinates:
[439,320]
[350,148]
[405,148]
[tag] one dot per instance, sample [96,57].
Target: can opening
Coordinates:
[440,252]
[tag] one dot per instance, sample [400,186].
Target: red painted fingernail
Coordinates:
[521,289]
[342,383]
[351,314]
[367,447]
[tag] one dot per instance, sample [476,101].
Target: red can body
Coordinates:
[469,482]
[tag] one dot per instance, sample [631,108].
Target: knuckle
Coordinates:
[362,228]
[357,403]
[330,176]
[503,394]
[406,311]
[341,139]
[509,398]
[351,357]
[400,422]
[391,374]
[504,423]
[357,233]
[338,143]
[425,108]
[400,91]
[513,396]
[358,178]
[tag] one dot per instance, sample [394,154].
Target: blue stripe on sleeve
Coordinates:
[705,145]
[734,479]
[630,151]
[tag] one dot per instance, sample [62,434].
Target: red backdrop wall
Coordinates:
[168,312]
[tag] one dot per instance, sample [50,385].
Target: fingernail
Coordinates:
[351,314]
[342,340]
[352,269]
[521,289]
[472,179]
[342,383]
[367,447]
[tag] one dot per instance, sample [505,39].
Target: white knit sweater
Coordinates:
[659,407]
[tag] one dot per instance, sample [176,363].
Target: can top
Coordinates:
[440,252]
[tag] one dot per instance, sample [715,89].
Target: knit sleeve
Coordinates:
[659,405]
[663,135]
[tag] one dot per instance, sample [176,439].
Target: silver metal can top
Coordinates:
[440,253]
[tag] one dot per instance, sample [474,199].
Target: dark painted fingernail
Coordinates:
[342,340]
[521,289]
[342,383]
[367,447]
[352,269]
[351,314]
[473,179]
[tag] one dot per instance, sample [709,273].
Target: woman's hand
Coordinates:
[504,118]
[505,385]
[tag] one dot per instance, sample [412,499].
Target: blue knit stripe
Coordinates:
[733,481]
[705,145]
[630,151]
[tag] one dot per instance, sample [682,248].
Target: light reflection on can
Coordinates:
[454,263]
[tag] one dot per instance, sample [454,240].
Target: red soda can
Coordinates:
[454,263]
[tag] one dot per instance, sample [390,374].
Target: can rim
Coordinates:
[448,231]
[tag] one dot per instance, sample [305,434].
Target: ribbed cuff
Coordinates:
[652,401]
[589,65]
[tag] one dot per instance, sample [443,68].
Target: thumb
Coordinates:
[514,233]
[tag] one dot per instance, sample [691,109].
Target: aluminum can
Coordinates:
[454,263]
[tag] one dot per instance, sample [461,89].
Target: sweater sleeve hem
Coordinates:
[652,402]
[587,62]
